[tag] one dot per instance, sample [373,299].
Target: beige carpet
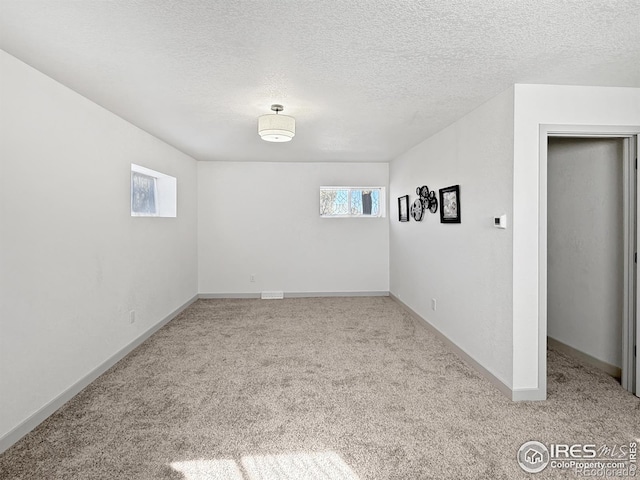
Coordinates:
[327,388]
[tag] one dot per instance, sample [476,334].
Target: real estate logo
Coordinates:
[584,459]
[533,457]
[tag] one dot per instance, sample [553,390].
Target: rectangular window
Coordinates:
[153,194]
[352,202]
[143,194]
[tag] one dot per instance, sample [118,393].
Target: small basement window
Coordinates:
[344,202]
[153,194]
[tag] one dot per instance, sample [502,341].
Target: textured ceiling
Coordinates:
[365,79]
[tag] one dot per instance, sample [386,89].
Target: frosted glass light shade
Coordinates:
[276,128]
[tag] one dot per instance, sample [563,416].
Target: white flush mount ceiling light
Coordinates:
[275,127]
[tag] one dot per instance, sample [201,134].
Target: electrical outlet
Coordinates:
[252,277]
[434,304]
[132,316]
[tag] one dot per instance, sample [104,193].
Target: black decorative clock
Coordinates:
[433,202]
[428,199]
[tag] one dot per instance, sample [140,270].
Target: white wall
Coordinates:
[585,245]
[537,105]
[263,219]
[73,262]
[467,268]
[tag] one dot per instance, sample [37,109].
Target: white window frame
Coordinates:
[382,201]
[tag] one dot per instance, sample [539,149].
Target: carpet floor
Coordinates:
[316,388]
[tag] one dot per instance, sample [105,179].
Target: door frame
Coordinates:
[631,334]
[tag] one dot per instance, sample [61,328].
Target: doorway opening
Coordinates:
[585,245]
[588,244]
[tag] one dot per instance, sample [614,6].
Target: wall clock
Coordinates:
[428,198]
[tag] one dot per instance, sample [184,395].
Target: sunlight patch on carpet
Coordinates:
[298,466]
[292,466]
[208,469]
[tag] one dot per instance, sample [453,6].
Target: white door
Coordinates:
[631,332]
[634,358]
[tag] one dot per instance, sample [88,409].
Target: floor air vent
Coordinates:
[272,295]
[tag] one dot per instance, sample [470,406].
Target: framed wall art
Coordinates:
[403,208]
[450,204]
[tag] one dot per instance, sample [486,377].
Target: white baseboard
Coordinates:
[47,410]
[615,372]
[374,293]
[527,394]
[335,294]
[208,296]
[513,394]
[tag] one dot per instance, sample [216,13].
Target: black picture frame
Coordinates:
[450,204]
[403,208]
